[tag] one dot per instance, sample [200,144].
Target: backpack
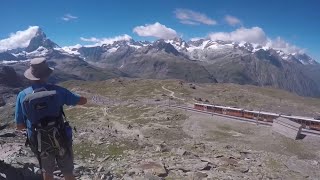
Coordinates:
[47,130]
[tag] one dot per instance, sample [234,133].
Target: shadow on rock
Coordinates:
[11,173]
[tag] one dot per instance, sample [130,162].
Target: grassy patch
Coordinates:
[87,149]
[166,134]
[119,172]
[247,131]
[297,148]
[224,127]
[124,88]
[273,164]
[83,115]
[115,150]
[142,120]
[258,98]
[218,135]
[129,112]
[244,96]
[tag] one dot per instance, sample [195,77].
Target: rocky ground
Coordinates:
[132,134]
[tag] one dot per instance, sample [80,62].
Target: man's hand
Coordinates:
[21,130]
[21,127]
[82,100]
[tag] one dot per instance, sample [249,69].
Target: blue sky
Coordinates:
[287,24]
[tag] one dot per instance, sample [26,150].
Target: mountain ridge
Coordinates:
[202,60]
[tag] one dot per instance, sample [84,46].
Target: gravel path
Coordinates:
[172,93]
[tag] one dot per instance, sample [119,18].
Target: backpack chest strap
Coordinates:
[39,141]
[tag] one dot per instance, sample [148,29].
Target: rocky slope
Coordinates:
[267,71]
[10,83]
[126,131]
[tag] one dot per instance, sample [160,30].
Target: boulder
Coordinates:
[9,77]
[161,148]
[2,102]
[155,168]
[197,175]
[191,165]
[180,151]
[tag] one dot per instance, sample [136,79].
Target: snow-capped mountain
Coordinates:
[179,44]
[39,46]
[201,60]
[199,50]
[205,60]
[202,50]
[40,40]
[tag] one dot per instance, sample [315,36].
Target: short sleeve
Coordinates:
[19,117]
[68,98]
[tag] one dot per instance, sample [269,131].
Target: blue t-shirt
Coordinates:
[66,98]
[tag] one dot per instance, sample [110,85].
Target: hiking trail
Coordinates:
[172,93]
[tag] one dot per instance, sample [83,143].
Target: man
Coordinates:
[38,73]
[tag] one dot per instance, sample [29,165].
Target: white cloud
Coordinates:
[253,35]
[189,22]
[92,39]
[69,17]
[72,49]
[19,39]
[190,17]
[232,21]
[256,35]
[77,46]
[284,46]
[101,41]
[155,30]
[195,38]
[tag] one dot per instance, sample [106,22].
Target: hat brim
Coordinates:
[28,74]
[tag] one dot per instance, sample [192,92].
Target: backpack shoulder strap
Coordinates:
[31,89]
[63,114]
[54,87]
[50,87]
[28,90]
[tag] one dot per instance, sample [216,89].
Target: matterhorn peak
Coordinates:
[40,39]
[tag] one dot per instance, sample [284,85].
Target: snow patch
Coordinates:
[41,51]
[14,62]
[135,46]
[70,49]
[114,49]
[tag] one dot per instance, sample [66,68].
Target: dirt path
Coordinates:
[172,94]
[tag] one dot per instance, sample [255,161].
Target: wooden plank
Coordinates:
[287,127]
[284,131]
[287,121]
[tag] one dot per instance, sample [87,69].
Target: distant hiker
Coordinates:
[39,109]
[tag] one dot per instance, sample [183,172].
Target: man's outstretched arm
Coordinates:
[71,99]
[82,101]
[19,118]
[21,127]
